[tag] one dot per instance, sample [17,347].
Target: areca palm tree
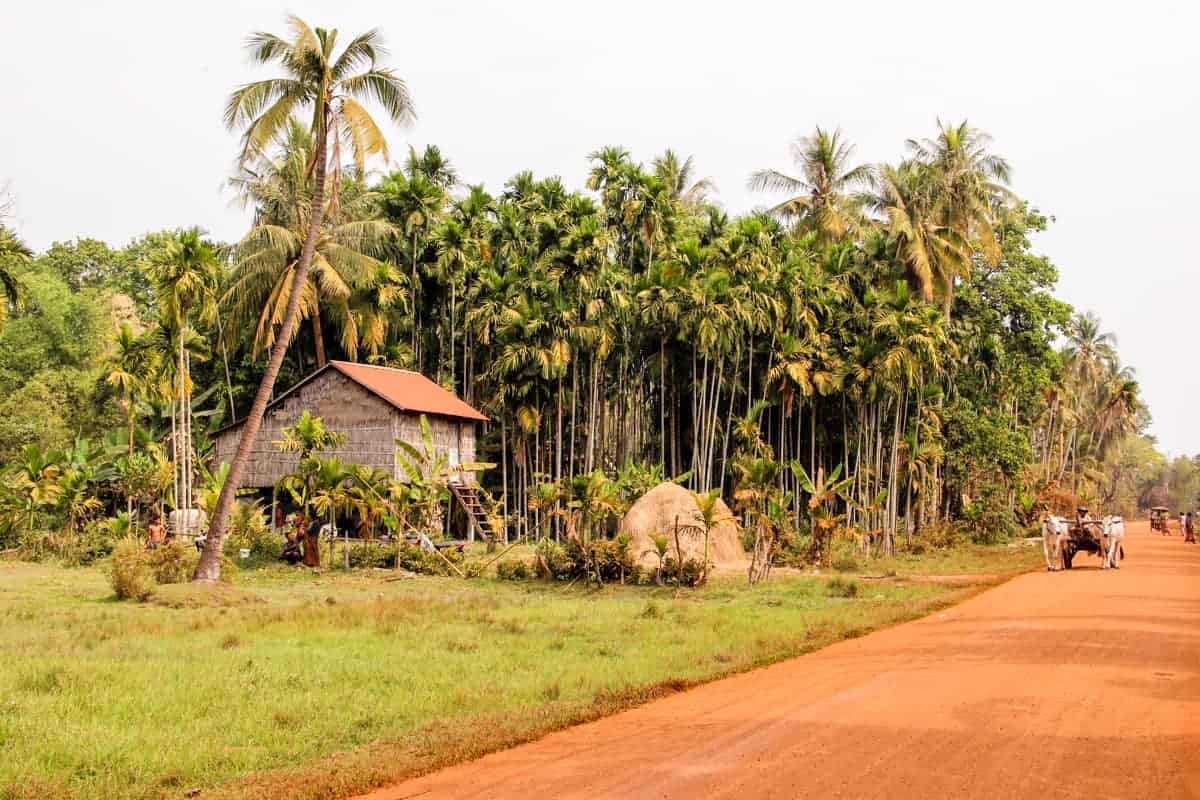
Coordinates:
[307,435]
[416,201]
[187,274]
[329,85]
[130,372]
[823,197]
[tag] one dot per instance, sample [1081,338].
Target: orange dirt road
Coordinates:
[1079,684]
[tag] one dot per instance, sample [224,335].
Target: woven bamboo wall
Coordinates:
[451,437]
[369,424]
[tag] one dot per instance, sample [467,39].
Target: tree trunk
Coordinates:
[574,403]
[318,337]
[662,400]
[225,358]
[453,298]
[180,465]
[208,569]
[504,468]
[558,449]
[128,493]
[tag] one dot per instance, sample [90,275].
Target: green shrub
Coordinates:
[250,530]
[371,555]
[33,545]
[988,519]
[795,549]
[515,570]
[414,559]
[942,536]
[840,587]
[473,569]
[95,542]
[844,563]
[603,560]
[173,562]
[689,573]
[130,571]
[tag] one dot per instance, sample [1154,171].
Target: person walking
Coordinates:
[156,534]
[1189,530]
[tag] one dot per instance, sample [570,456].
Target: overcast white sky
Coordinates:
[112,116]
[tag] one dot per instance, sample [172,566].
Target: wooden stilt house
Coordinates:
[372,407]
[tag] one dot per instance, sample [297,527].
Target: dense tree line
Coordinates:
[888,323]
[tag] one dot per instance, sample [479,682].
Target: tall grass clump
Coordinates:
[130,571]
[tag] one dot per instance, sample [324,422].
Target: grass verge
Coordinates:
[302,686]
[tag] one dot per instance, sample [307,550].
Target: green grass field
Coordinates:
[290,684]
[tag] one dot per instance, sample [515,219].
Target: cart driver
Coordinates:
[1083,518]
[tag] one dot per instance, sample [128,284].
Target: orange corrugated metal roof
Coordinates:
[407,390]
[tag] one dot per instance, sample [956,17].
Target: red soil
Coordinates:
[1074,684]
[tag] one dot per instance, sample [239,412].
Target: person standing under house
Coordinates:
[312,540]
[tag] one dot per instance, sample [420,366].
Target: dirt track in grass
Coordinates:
[1076,684]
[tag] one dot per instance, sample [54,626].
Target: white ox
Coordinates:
[1111,542]
[1054,530]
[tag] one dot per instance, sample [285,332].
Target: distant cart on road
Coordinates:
[1158,519]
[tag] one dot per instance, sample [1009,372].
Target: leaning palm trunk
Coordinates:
[209,567]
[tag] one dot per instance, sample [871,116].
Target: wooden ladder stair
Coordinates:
[468,497]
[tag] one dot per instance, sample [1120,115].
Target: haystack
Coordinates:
[656,513]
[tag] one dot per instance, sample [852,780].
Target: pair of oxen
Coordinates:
[1055,531]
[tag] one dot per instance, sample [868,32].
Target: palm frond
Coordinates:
[385,88]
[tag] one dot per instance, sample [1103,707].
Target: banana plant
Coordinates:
[823,493]
[428,474]
[35,480]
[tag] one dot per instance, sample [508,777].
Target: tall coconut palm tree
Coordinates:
[932,252]
[1090,351]
[680,178]
[823,197]
[346,253]
[970,186]
[330,85]
[972,182]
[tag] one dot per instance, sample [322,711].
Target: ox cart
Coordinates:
[1082,536]
[1158,519]
[1087,536]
